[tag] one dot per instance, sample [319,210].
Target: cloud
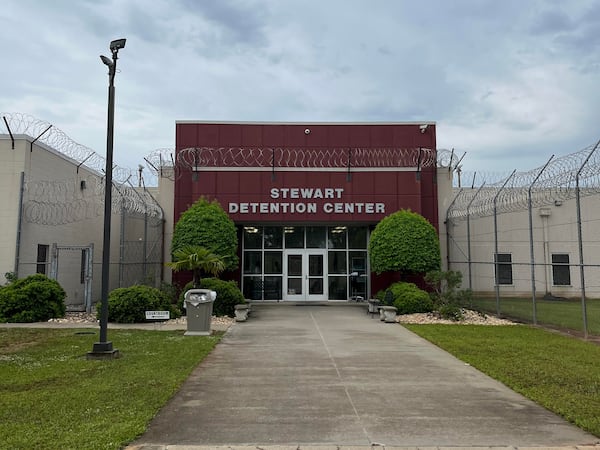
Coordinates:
[497,77]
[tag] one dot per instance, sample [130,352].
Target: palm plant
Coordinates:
[197,259]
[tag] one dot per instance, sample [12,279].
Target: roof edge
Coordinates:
[226,122]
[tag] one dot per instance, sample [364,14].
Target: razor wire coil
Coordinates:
[58,140]
[557,182]
[58,202]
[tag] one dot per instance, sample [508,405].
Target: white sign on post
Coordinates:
[157,315]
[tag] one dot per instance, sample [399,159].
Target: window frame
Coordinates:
[500,278]
[43,252]
[561,270]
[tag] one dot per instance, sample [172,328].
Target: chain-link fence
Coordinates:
[529,245]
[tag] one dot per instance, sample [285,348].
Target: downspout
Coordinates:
[19,224]
[544,215]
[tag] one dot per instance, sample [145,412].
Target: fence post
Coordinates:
[469,235]
[447,223]
[89,276]
[580,241]
[122,244]
[496,243]
[529,205]
[145,249]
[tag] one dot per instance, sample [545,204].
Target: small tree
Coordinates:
[207,225]
[197,259]
[404,242]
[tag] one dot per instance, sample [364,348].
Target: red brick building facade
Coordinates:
[305,197]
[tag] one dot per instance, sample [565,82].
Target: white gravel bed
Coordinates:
[469,318]
[86,318]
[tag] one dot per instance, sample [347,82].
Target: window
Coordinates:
[337,237]
[273,237]
[337,263]
[503,268]
[316,237]
[42,258]
[357,237]
[253,262]
[561,271]
[273,262]
[294,237]
[253,237]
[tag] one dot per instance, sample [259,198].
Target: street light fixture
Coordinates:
[104,348]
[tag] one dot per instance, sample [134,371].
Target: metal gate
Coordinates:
[71,266]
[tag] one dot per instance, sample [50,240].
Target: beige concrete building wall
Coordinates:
[63,205]
[11,166]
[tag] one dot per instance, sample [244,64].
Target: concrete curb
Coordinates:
[332,447]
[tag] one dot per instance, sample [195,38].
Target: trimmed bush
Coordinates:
[409,299]
[228,295]
[129,305]
[404,242]
[35,298]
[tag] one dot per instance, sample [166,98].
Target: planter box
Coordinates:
[373,306]
[389,314]
[241,313]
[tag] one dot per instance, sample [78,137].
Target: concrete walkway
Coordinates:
[306,376]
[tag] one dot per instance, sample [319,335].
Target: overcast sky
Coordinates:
[508,82]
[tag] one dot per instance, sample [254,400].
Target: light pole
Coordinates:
[104,348]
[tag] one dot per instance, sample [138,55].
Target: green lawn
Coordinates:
[52,397]
[558,313]
[560,373]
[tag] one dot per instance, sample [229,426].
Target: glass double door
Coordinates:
[305,276]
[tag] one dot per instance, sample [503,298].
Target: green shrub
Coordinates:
[207,225]
[228,295]
[129,305]
[35,298]
[409,299]
[170,291]
[448,299]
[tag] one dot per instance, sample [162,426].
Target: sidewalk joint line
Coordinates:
[340,378]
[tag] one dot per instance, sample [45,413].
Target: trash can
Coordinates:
[199,306]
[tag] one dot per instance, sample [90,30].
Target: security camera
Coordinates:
[307,131]
[106,61]
[423,128]
[117,44]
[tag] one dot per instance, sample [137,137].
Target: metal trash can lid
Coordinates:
[197,296]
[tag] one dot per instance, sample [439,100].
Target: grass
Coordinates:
[558,372]
[558,313]
[52,397]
